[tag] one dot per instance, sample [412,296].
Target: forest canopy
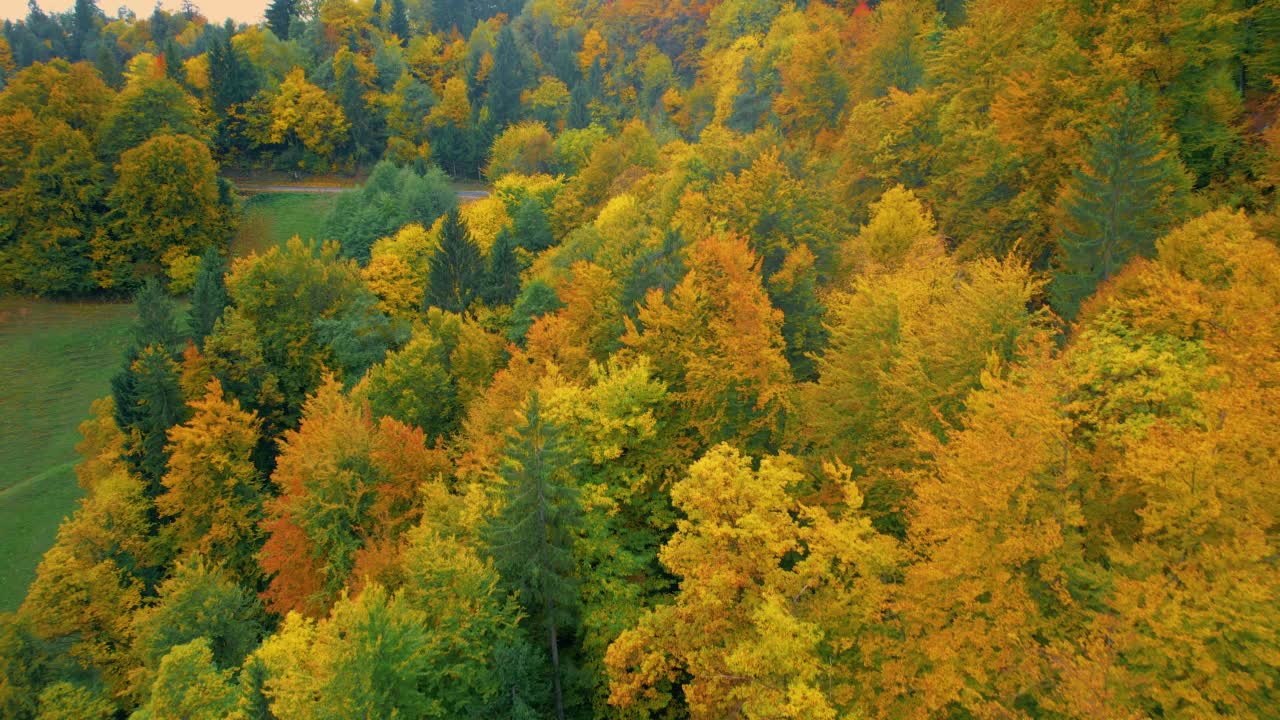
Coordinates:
[813,360]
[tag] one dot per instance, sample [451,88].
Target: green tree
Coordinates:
[166,202]
[45,244]
[271,327]
[531,226]
[154,382]
[209,298]
[23,666]
[353,85]
[502,281]
[144,109]
[398,25]
[532,536]
[189,686]
[1130,188]
[414,386]
[457,268]
[477,657]
[536,299]
[507,80]
[454,136]
[375,656]
[391,198]
[233,82]
[148,398]
[280,15]
[86,18]
[198,601]
[429,382]
[109,66]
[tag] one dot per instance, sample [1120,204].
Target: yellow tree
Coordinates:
[90,583]
[525,149]
[302,113]
[899,222]
[548,102]
[586,329]
[189,686]
[398,269]
[166,197]
[906,348]
[213,497]
[1176,371]
[1000,585]
[815,86]
[773,597]
[716,341]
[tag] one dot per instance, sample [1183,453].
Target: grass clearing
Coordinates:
[55,358]
[270,219]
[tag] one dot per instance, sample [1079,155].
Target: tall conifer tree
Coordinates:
[502,284]
[209,298]
[398,25]
[507,81]
[148,398]
[532,537]
[280,16]
[456,269]
[1118,203]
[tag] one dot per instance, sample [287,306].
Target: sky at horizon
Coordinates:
[247,11]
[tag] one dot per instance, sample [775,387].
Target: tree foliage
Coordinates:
[816,360]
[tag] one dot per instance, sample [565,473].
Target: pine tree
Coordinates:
[160,29]
[399,22]
[173,62]
[750,105]
[85,17]
[209,298]
[507,80]
[532,536]
[531,226]
[158,406]
[1116,205]
[156,321]
[280,16]
[109,67]
[456,268]
[581,95]
[148,398]
[232,79]
[502,284]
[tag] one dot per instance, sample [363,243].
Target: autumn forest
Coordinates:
[711,360]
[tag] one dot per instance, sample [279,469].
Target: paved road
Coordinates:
[462,194]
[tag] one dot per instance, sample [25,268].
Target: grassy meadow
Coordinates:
[55,358]
[270,219]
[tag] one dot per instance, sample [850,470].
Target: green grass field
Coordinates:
[270,219]
[55,358]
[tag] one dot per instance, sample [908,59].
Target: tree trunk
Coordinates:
[555,662]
